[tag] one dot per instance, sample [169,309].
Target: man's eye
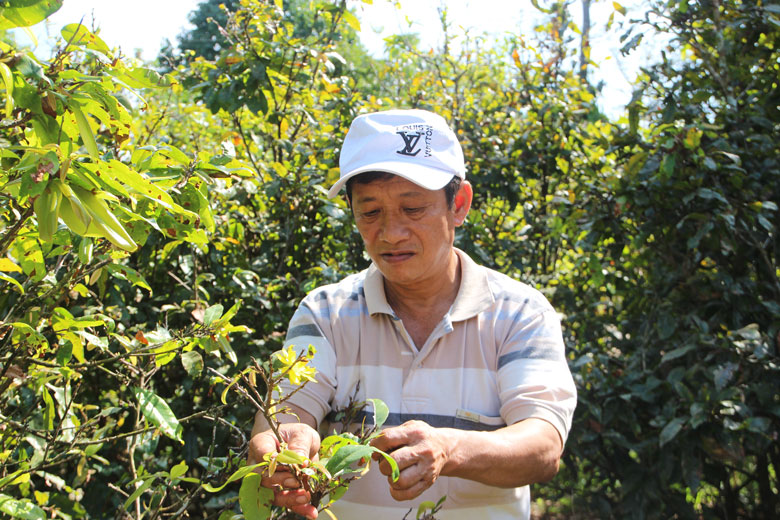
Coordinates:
[372,213]
[413,210]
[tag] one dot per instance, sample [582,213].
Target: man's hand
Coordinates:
[288,491]
[421,452]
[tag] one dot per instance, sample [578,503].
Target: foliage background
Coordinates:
[654,235]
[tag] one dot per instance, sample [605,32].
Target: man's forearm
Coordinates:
[524,453]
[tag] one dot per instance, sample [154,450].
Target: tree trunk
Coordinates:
[585,42]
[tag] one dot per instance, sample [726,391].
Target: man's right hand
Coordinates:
[288,491]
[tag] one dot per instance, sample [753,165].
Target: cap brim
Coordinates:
[425,177]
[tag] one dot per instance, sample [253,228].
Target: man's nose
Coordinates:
[393,230]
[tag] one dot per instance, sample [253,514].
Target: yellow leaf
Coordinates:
[77,346]
[8,266]
[42,498]
[8,81]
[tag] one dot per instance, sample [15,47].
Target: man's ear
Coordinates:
[462,202]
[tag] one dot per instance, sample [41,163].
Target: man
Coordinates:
[470,362]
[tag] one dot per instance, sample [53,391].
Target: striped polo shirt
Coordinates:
[496,358]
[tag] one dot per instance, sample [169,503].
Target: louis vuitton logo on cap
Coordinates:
[410,141]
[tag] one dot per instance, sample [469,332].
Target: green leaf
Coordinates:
[212,313]
[192,362]
[27,251]
[290,457]
[77,34]
[334,442]
[148,189]
[139,490]
[222,321]
[254,499]
[352,20]
[178,470]
[667,165]
[84,129]
[238,474]
[423,507]
[346,456]
[21,508]
[8,81]
[49,413]
[666,325]
[128,273]
[166,352]
[140,77]
[28,336]
[13,282]
[156,411]
[28,13]
[670,431]
[104,223]
[678,352]
[381,412]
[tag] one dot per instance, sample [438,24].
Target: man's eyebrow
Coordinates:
[406,194]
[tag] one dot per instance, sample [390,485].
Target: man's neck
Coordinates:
[429,301]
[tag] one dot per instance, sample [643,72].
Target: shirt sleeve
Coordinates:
[534,379]
[306,329]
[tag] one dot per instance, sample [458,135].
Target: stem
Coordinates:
[9,235]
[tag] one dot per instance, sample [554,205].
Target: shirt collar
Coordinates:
[474,295]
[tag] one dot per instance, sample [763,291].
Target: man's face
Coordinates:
[408,231]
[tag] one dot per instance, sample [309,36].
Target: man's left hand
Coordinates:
[421,452]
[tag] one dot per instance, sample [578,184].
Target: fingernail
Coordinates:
[290,483]
[301,499]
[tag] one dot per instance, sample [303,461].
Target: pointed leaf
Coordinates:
[381,411]
[156,411]
[178,470]
[128,273]
[240,473]
[8,81]
[13,282]
[139,490]
[84,130]
[671,430]
[212,313]
[77,34]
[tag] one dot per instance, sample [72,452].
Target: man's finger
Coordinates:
[409,493]
[280,480]
[403,459]
[391,439]
[304,442]
[296,500]
[259,445]
[408,478]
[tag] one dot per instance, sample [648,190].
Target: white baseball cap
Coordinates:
[415,144]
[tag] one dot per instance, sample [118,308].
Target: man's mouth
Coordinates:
[397,256]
